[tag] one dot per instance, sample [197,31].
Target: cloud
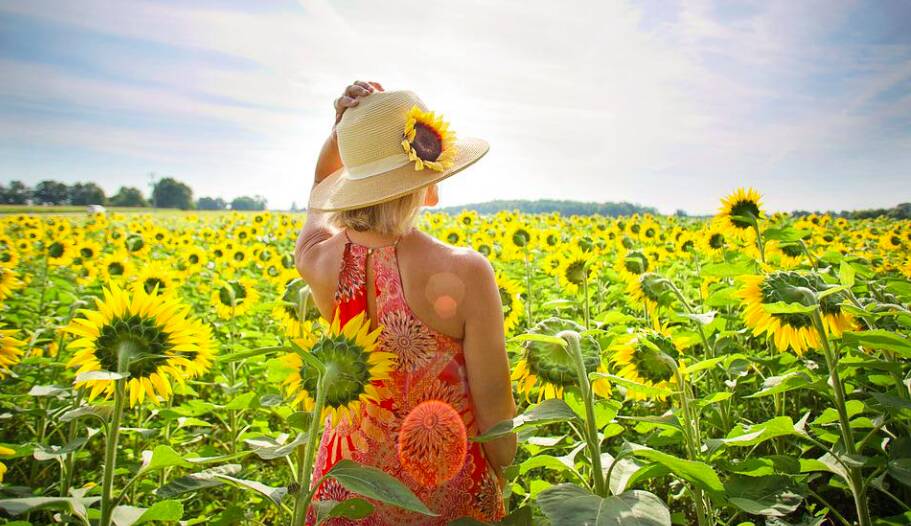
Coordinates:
[669,104]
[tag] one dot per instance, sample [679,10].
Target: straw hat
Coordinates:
[391,145]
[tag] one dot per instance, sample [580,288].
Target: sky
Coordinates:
[667,103]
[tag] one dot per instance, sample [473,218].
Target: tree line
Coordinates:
[166,193]
[563,207]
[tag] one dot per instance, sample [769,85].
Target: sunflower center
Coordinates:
[115,268]
[792,250]
[149,285]
[506,300]
[134,243]
[452,238]
[193,259]
[636,262]
[352,370]
[650,364]
[224,293]
[576,272]
[55,250]
[780,286]
[427,144]
[553,363]
[521,237]
[744,208]
[86,252]
[148,344]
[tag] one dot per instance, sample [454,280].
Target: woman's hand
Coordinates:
[352,94]
[329,160]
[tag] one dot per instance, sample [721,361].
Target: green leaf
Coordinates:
[273,494]
[280,450]
[736,267]
[17,506]
[99,411]
[784,383]
[376,484]
[714,398]
[100,375]
[47,390]
[166,510]
[749,436]
[162,457]
[648,390]
[547,412]
[693,471]
[772,496]
[900,470]
[570,504]
[846,274]
[242,401]
[196,481]
[879,339]
[788,234]
[352,509]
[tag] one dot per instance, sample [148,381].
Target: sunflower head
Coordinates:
[648,357]
[428,141]
[353,365]
[742,209]
[149,336]
[553,366]
[792,330]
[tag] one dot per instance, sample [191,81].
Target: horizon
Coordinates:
[668,105]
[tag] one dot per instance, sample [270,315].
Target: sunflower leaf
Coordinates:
[547,412]
[377,484]
[570,504]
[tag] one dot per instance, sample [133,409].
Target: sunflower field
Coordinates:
[744,369]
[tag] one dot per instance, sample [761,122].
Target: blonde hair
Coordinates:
[394,218]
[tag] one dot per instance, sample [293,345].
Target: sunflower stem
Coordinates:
[113,431]
[305,492]
[693,439]
[585,293]
[574,348]
[759,242]
[528,288]
[855,477]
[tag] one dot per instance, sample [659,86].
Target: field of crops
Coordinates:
[747,369]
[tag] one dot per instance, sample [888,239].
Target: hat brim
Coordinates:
[337,192]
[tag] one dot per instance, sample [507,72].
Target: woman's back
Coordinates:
[430,454]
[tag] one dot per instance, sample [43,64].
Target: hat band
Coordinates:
[377,167]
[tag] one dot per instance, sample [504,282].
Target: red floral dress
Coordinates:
[429,366]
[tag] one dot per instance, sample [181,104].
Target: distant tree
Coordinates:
[128,196]
[249,203]
[15,194]
[171,193]
[211,203]
[86,194]
[681,213]
[294,206]
[51,193]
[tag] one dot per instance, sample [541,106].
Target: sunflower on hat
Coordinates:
[428,141]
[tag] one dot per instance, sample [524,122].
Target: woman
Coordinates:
[438,305]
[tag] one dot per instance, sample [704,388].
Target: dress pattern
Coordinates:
[429,366]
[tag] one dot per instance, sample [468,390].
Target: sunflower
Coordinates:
[790,330]
[234,296]
[712,239]
[9,281]
[157,276]
[891,241]
[647,357]
[510,297]
[575,268]
[453,236]
[5,452]
[645,292]
[287,311]
[519,238]
[10,351]
[116,266]
[553,367]
[59,252]
[428,141]
[740,210]
[194,258]
[632,263]
[150,336]
[350,354]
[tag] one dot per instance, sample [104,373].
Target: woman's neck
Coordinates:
[371,238]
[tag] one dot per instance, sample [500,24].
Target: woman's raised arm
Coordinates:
[317,229]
